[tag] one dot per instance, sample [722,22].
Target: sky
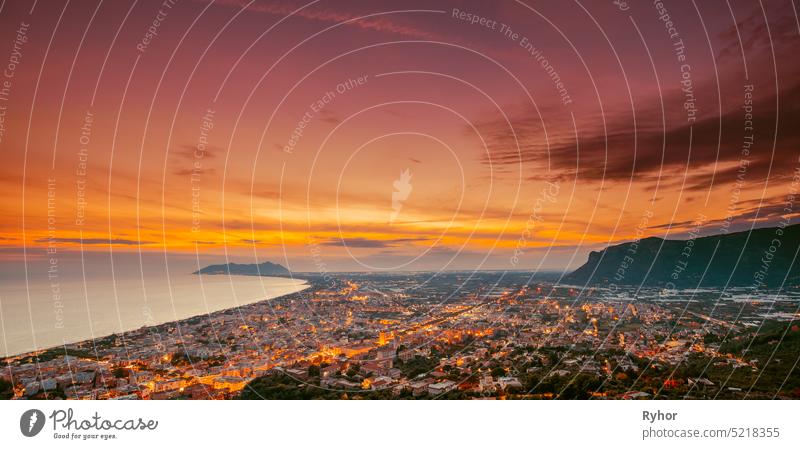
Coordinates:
[378,135]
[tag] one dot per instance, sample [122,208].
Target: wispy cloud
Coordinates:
[313,12]
[94,241]
[194,171]
[191,153]
[360,242]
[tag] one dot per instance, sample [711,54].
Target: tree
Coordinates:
[498,371]
[6,389]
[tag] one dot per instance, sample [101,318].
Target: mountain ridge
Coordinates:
[766,259]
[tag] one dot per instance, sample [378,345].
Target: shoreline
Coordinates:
[92,340]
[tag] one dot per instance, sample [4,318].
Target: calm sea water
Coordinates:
[47,314]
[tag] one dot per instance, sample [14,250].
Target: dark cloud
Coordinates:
[189,152]
[767,215]
[708,142]
[190,172]
[329,116]
[360,242]
[663,146]
[756,37]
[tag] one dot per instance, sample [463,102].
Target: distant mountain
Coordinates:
[766,258]
[251,269]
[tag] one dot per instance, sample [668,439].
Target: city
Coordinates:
[453,335]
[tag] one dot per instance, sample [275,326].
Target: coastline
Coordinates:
[155,324]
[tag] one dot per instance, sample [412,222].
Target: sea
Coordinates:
[76,305]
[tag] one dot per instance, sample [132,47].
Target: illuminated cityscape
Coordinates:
[490,335]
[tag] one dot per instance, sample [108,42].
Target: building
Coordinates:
[441,387]
[231,383]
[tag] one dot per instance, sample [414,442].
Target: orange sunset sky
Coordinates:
[278,130]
